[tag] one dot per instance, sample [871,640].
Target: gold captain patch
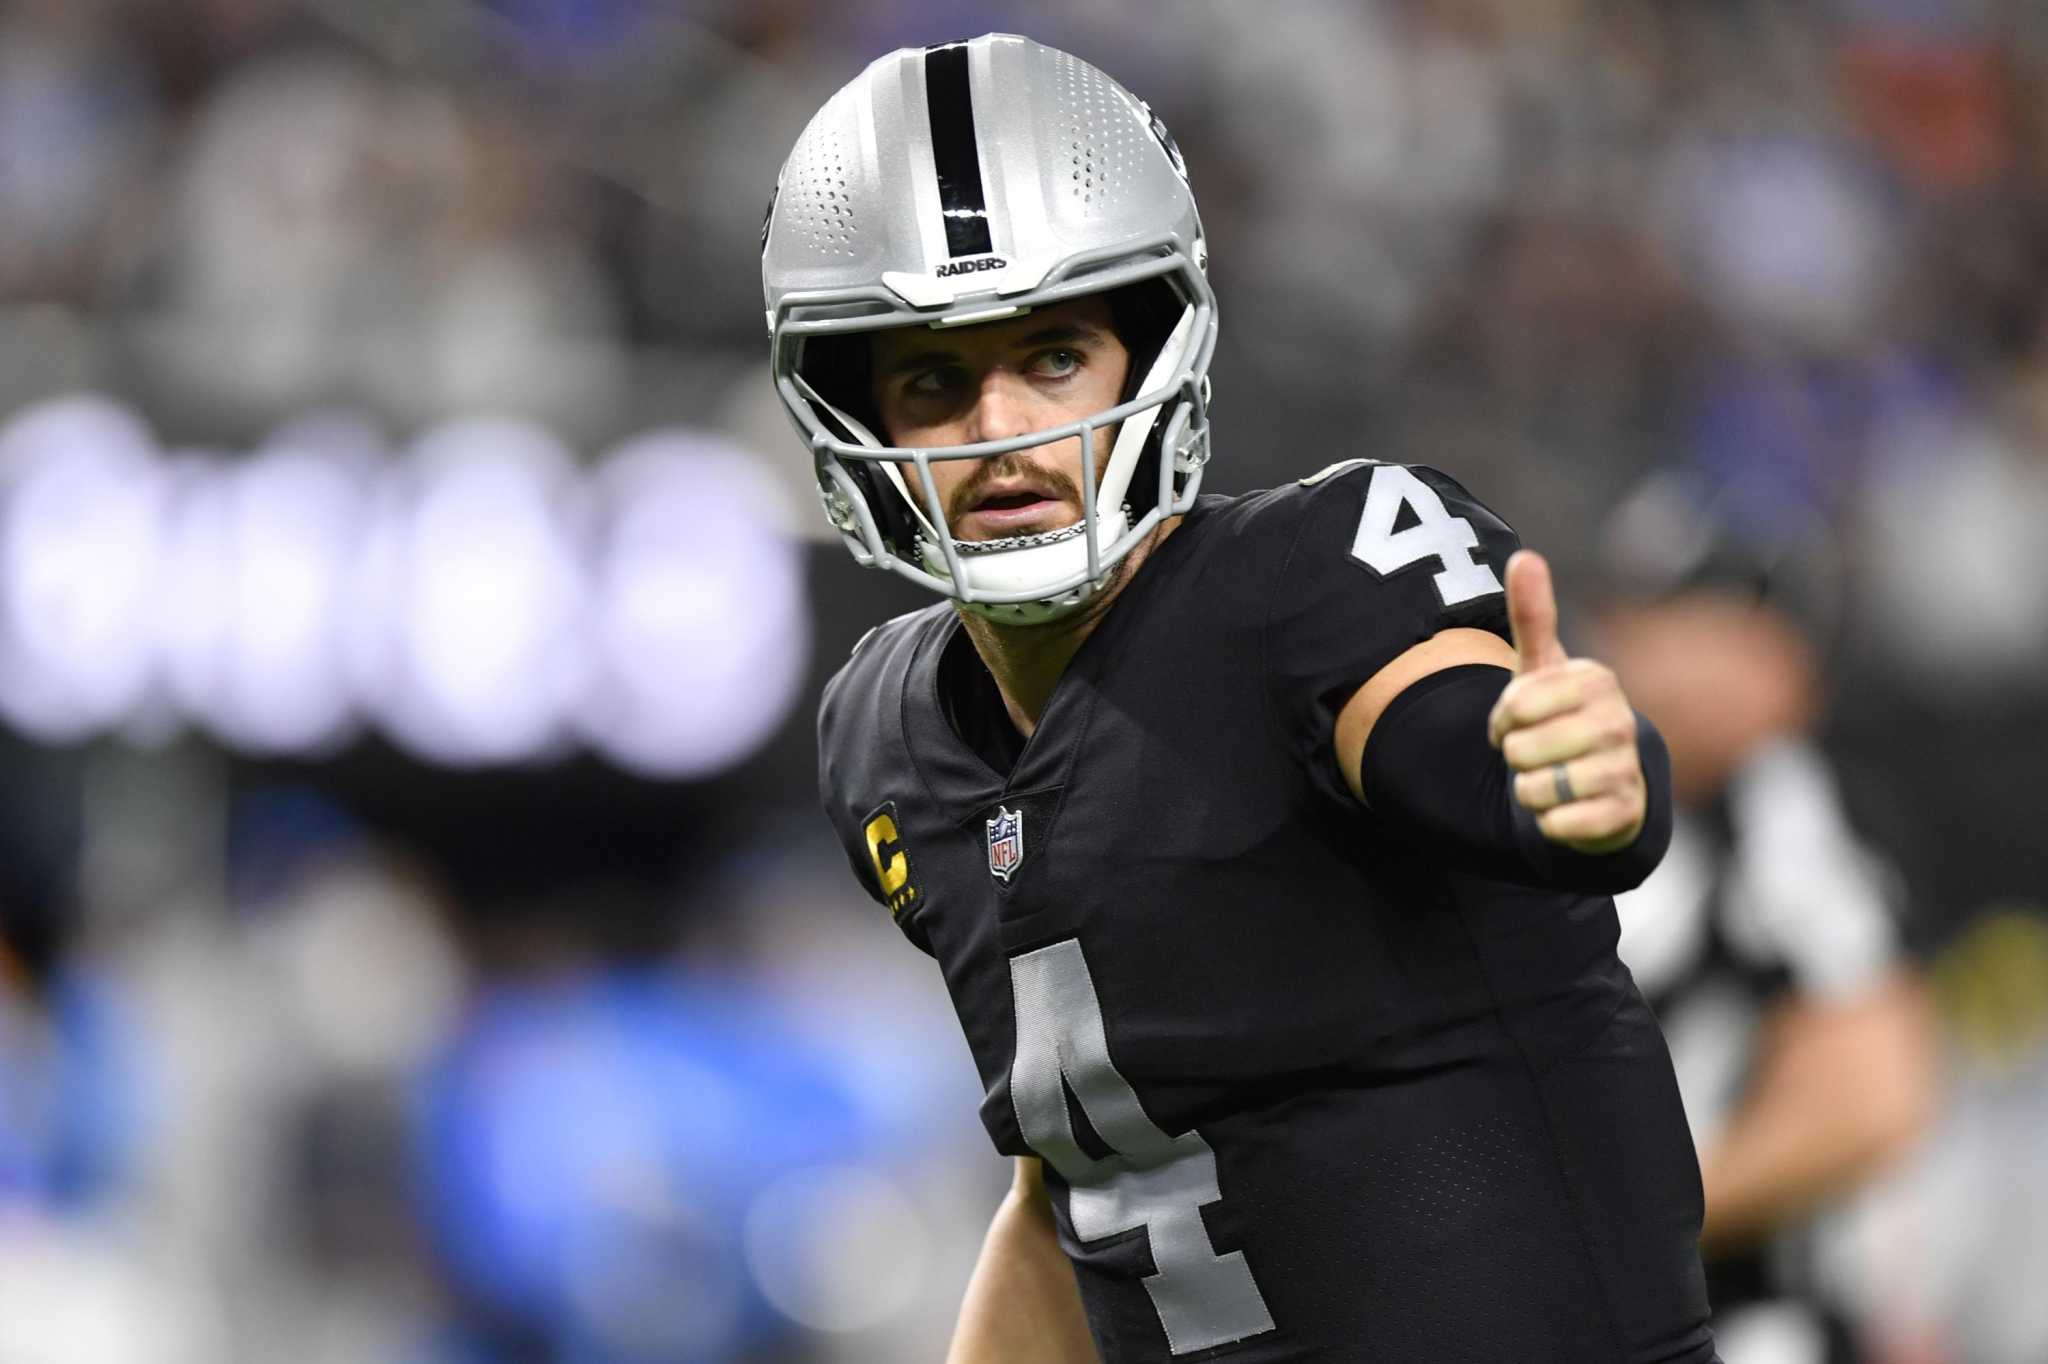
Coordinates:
[892,861]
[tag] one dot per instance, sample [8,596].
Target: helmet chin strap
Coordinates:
[1008,571]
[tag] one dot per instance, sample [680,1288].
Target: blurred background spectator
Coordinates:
[416,938]
[1768,938]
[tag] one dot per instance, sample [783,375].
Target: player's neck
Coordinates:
[1027,661]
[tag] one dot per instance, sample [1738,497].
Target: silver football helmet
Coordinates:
[972,182]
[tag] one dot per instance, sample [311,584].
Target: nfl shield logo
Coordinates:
[1005,843]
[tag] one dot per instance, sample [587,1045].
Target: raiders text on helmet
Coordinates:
[969,267]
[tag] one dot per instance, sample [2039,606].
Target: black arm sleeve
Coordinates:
[1428,771]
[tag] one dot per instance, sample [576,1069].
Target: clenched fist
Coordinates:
[1565,727]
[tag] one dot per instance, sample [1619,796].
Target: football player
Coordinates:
[1266,844]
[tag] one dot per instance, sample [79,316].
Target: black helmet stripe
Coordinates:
[950,104]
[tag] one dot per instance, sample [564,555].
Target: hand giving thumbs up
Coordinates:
[1565,727]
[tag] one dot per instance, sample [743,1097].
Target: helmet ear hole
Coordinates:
[838,369]
[892,519]
[841,369]
[1145,315]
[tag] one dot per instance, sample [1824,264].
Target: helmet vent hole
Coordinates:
[821,208]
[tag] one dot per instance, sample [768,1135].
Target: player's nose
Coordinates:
[1001,407]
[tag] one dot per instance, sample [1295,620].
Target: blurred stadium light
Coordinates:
[482,598]
[481,650]
[259,553]
[81,501]
[699,618]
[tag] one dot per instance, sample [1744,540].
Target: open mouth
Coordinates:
[1011,501]
[1012,511]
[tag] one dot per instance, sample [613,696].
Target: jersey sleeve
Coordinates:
[852,720]
[1386,556]
[832,782]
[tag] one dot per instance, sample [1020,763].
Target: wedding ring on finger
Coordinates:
[1561,775]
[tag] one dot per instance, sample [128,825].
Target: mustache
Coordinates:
[1010,466]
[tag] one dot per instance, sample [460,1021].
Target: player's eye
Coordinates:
[1060,363]
[933,383]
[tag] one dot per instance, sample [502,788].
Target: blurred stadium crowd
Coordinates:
[417,940]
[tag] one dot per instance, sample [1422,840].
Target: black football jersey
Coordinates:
[1303,1090]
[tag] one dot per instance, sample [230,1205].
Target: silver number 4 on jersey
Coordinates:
[1152,1180]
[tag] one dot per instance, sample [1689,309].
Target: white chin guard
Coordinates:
[1018,563]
